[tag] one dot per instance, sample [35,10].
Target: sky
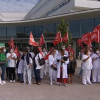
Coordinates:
[17,5]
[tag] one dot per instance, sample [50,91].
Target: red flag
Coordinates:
[47,56]
[65,38]
[95,36]
[31,41]
[86,38]
[42,41]
[58,38]
[11,43]
[96,29]
[16,51]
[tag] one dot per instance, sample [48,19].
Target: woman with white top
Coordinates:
[37,66]
[86,67]
[52,64]
[12,57]
[62,68]
[96,65]
[44,69]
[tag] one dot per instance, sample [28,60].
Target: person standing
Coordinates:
[62,68]
[37,67]
[20,66]
[3,65]
[27,58]
[96,66]
[71,67]
[44,72]
[52,64]
[12,57]
[86,67]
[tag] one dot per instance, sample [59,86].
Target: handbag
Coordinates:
[41,61]
[3,62]
[54,68]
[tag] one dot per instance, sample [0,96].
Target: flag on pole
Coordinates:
[31,40]
[58,38]
[65,38]
[11,43]
[95,36]
[16,52]
[42,41]
[47,56]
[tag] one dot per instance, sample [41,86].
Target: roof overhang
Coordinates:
[70,16]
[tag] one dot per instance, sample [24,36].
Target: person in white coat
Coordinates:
[27,59]
[86,67]
[52,63]
[37,66]
[96,66]
[62,68]
[44,68]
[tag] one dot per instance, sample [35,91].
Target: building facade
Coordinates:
[44,18]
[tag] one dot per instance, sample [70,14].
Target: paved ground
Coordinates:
[76,91]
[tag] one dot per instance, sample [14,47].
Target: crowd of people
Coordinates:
[61,65]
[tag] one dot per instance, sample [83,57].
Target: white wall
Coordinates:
[12,16]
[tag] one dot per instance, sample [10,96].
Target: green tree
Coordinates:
[63,27]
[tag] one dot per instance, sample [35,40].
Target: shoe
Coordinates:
[10,81]
[13,81]
[90,83]
[85,84]
[65,85]
[51,83]
[3,82]
[60,84]
[24,83]
[29,83]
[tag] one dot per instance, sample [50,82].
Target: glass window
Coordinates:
[29,29]
[11,32]
[38,31]
[20,32]
[87,25]
[48,30]
[2,32]
[74,28]
[97,21]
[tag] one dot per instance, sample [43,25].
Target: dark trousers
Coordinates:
[37,74]
[3,67]
[20,76]
[11,73]
[7,71]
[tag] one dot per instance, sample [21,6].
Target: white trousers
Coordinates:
[96,75]
[86,76]
[27,72]
[45,68]
[52,75]
[42,72]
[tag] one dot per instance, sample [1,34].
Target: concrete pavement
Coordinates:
[76,91]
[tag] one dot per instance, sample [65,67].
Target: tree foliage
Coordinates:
[63,27]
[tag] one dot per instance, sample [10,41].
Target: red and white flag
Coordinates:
[96,29]
[47,56]
[16,52]
[58,38]
[11,43]
[95,36]
[65,38]
[31,40]
[42,41]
